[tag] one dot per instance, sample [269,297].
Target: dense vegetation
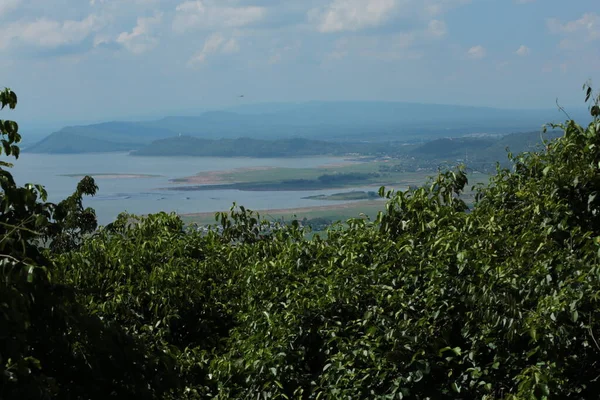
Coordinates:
[431,300]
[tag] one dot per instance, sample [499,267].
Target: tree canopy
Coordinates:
[431,299]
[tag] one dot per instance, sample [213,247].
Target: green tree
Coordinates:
[51,346]
[430,300]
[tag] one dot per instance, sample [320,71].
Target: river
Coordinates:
[142,195]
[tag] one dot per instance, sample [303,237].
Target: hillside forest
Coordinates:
[430,299]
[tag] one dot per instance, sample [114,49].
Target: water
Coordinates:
[142,195]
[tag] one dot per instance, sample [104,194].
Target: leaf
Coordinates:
[455,387]
[546,170]
[575,316]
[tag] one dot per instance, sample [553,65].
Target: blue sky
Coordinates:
[78,60]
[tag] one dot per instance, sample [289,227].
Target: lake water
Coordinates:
[141,195]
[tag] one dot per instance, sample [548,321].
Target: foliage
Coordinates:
[431,300]
[47,340]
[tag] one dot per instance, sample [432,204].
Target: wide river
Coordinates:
[141,195]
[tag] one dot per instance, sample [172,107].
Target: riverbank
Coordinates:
[334,212]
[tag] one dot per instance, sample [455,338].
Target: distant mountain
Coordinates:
[64,142]
[103,137]
[331,121]
[487,148]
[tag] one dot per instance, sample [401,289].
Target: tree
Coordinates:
[50,345]
[431,300]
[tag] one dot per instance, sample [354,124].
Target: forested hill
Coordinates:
[486,148]
[476,149]
[247,147]
[331,121]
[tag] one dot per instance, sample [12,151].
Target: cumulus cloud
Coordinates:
[523,51]
[389,46]
[140,39]
[215,43]
[351,15]
[575,35]
[211,15]
[476,52]
[49,33]
[588,26]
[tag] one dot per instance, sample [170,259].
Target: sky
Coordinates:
[80,60]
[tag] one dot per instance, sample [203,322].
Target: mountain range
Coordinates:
[325,121]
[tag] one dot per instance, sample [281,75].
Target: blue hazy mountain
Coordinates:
[332,121]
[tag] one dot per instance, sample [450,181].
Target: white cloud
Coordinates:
[476,52]
[437,7]
[210,15]
[394,47]
[351,15]
[140,38]
[397,46]
[215,43]
[588,25]
[49,33]
[8,5]
[231,46]
[436,28]
[523,51]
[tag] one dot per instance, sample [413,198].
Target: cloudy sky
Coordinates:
[80,60]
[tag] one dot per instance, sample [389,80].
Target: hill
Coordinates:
[486,149]
[476,149]
[65,142]
[103,137]
[332,121]
[247,147]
